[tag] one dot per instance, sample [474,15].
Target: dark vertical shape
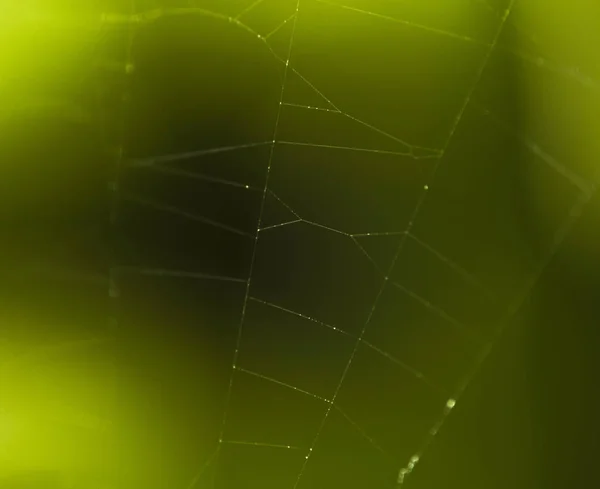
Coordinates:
[563,342]
[116,97]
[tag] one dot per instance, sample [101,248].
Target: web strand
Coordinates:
[400,247]
[404,471]
[571,176]
[276,29]
[282,384]
[256,236]
[174,210]
[250,7]
[146,162]
[259,444]
[205,465]
[411,370]
[404,22]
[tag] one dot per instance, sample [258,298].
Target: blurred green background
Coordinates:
[76,408]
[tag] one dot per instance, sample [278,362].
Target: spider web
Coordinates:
[287,216]
[381,248]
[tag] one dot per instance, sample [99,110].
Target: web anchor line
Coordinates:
[407,469]
[265,192]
